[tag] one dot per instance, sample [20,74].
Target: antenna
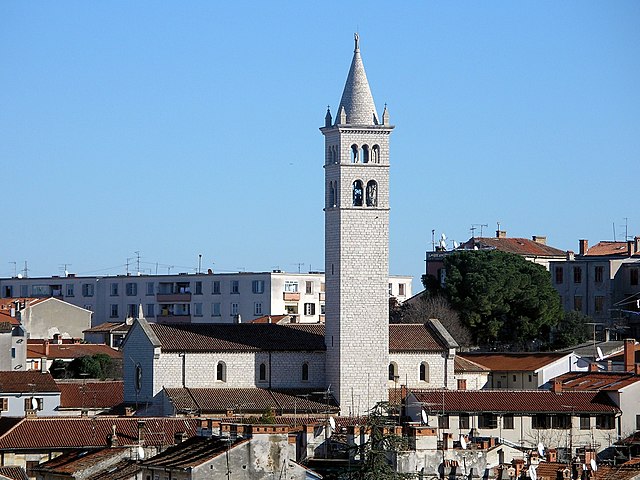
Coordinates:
[481,225]
[300,265]
[137,252]
[433,240]
[25,271]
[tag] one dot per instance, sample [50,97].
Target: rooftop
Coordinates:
[513,362]
[190,453]
[69,350]
[27,382]
[79,394]
[596,381]
[75,461]
[519,246]
[108,327]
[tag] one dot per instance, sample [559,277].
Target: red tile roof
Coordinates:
[92,394]
[515,401]
[46,433]
[608,248]
[80,460]
[191,453]
[69,350]
[462,365]
[27,382]
[13,473]
[513,362]
[413,337]
[107,327]
[270,319]
[605,472]
[247,400]
[519,246]
[124,470]
[596,381]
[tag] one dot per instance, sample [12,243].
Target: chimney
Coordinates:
[57,338]
[636,240]
[46,348]
[540,239]
[629,354]
[556,386]
[13,312]
[112,440]
[141,424]
[501,234]
[179,437]
[43,365]
[593,367]
[631,245]
[570,256]
[584,246]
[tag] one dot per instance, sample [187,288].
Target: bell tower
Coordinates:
[357,246]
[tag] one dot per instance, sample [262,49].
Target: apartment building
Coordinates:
[191,298]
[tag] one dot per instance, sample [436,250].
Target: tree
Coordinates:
[99,365]
[572,330]
[502,297]
[58,369]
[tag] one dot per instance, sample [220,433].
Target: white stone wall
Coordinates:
[441,374]
[474,380]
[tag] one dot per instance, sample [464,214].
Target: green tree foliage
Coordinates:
[572,330]
[502,297]
[94,366]
[58,369]
[268,417]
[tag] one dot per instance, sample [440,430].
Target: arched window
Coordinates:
[332,194]
[357,193]
[375,154]
[424,372]
[334,154]
[354,153]
[365,154]
[138,379]
[262,375]
[305,372]
[393,371]
[221,372]
[372,193]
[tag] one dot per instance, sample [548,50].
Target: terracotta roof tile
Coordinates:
[596,381]
[190,453]
[83,432]
[270,319]
[124,470]
[519,246]
[90,394]
[32,381]
[516,401]
[605,472]
[70,350]
[462,365]
[412,337]
[607,248]
[513,362]
[13,473]
[241,337]
[108,327]
[79,460]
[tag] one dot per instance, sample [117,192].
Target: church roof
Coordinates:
[357,100]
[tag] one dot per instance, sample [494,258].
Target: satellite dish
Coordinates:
[600,354]
[533,475]
[332,423]
[19,275]
[34,404]
[594,465]
[443,237]
[443,243]
[455,244]
[425,418]
[140,452]
[463,442]
[541,449]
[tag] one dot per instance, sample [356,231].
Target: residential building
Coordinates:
[108,333]
[42,353]
[13,346]
[28,393]
[47,317]
[89,396]
[186,298]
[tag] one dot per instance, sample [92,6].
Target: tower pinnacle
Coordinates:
[356,97]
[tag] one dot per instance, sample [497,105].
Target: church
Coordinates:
[349,363]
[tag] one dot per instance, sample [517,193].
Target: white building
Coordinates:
[192,298]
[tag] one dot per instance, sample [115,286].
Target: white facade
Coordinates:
[191,298]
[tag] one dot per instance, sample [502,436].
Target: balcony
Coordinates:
[173,318]
[291,296]
[173,297]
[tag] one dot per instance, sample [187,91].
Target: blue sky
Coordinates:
[183,128]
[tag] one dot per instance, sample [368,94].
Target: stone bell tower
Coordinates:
[357,246]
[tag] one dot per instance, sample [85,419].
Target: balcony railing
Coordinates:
[291,296]
[173,297]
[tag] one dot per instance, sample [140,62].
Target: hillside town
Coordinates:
[511,359]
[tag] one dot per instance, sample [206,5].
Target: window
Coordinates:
[198,288]
[87,289]
[257,286]
[221,372]
[8,291]
[24,290]
[309,309]
[401,290]
[305,372]
[560,421]
[4,404]
[598,304]
[308,287]
[322,309]
[262,372]
[391,289]
[69,289]
[637,422]
[150,288]
[599,274]
[487,420]
[577,303]
[507,421]
[114,290]
[462,383]
[114,310]
[393,371]
[354,153]
[604,422]
[215,287]
[33,403]
[585,422]
[138,378]
[365,153]
[235,286]
[541,421]
[424,372]
[463,421]
[372,193]
[132,310]
[559,274]
[443,421]
[332,195]
[257,308]
[132,289]
[290,286]
[13,352]
[197,309]
[633,276]
[357,193]
[151,310]
[577,274]
[321,287]
[513,378]
[234,309]
[215,309]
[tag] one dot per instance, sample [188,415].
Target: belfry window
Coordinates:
[357,193]
[354,153]
[365,153]
[372,193]
[332,195]
[375,154]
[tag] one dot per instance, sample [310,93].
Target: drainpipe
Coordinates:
[269,369]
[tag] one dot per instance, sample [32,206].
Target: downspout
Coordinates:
[269,369]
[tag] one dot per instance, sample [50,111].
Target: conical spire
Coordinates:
[357,100]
